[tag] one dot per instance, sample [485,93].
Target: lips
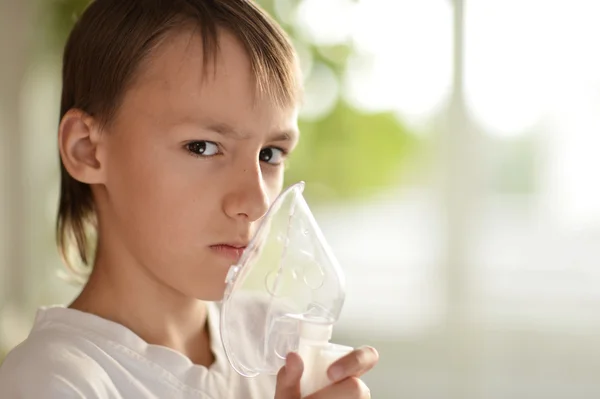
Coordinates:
[230,251]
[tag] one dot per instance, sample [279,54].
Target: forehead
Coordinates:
[175,82]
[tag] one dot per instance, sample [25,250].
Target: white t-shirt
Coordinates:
[73,354]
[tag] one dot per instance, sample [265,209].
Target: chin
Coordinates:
[212,294]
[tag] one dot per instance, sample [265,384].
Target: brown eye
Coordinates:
[202,148]
[271,155]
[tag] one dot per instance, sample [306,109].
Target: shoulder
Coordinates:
[51,363]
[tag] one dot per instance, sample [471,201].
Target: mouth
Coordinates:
[232,251]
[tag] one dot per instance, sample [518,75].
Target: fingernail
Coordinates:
[336,373]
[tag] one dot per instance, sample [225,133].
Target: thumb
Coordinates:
[288,378]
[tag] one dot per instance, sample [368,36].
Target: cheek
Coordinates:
[275,184]
[159,191]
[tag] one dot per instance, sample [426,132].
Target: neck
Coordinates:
[128,294]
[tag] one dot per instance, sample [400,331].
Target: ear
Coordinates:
[79,139]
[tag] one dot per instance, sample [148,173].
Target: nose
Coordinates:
[248,197]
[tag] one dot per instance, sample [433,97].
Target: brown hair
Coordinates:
[105,49]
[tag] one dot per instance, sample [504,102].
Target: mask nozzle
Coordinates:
[318,354]
[315,331]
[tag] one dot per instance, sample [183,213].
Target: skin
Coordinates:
[190,161]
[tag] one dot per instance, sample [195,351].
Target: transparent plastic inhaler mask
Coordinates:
[287,289]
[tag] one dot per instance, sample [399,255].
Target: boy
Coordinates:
[176,117]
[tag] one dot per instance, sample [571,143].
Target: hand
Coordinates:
[344,374]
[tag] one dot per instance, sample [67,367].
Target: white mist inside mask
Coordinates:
[287,291]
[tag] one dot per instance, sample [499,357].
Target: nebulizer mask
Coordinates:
[287,291]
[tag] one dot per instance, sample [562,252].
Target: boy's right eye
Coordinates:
[202,148]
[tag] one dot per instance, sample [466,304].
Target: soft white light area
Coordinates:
[506,63]
[325,22]
[404,51]
[520,56]
[408,50]
[321,91]
[572,187]
[535,64]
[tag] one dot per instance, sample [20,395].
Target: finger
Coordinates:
[288,378]
[354,364]
[350,388]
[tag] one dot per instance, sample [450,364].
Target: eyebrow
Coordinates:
[228,130]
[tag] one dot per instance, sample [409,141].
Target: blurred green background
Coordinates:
[449,150]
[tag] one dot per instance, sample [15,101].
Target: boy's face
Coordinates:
[192,164]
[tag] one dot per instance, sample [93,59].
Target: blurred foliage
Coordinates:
[63,15]
[343,154]
[349,152]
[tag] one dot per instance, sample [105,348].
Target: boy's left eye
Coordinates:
[271,155]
